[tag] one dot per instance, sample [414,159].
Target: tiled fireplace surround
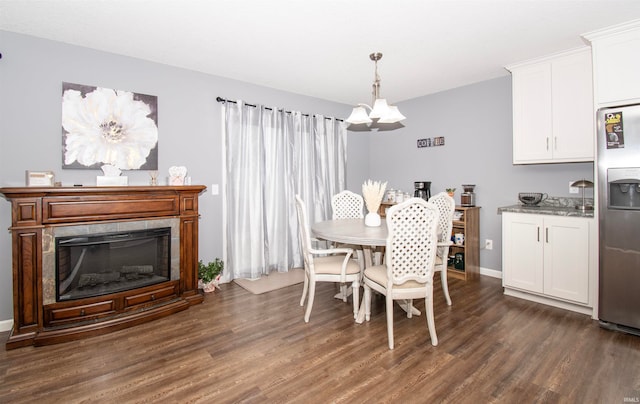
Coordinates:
[39,215]
[49,235]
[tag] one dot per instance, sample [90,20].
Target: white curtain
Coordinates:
[270,156]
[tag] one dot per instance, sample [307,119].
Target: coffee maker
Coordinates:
[468,197]
[422,189]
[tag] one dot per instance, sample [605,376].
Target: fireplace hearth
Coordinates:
[125,256]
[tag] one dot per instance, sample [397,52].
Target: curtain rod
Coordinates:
[222,100]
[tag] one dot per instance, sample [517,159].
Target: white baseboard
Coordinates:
[5,325]
[491,272]
[578,308]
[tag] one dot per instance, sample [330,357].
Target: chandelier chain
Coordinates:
[376,78]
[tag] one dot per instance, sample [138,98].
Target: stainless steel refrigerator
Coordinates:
[619,217]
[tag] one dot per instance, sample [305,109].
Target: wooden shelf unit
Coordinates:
[469,225]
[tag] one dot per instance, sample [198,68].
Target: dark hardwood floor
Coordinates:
[239,347]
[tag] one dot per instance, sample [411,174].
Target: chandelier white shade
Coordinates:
[381,111]
[393,115]
[359,115]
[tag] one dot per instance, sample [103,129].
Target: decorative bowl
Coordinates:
[531,198]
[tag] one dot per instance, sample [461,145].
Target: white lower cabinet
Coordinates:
[549,258]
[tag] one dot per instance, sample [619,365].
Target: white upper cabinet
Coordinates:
[532,113]
[553,115]
[616,64]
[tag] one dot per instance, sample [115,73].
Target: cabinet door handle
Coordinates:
[547,142]
[538,234]
[555,143]
[546,235]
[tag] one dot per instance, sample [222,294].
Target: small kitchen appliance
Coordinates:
[468,197]
[422,189]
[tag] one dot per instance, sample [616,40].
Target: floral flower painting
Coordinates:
[104,126]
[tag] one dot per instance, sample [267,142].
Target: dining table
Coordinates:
[354,231]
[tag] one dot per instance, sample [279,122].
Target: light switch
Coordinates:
[573,190]
[215,189]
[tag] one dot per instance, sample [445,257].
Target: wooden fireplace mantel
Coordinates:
[35,208]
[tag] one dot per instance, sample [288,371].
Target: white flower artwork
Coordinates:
[104,126]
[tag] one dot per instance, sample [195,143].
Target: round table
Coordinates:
[354,231]
[351,231]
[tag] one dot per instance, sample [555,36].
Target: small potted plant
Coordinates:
[209,274]
[450,191]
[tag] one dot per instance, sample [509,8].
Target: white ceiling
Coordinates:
[321,48]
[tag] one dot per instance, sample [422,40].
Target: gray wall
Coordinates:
[476,123]
[31,74]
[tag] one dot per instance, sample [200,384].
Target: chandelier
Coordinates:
[381,112]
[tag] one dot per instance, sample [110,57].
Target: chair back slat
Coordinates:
[446,206]
[412,241]
[347,205]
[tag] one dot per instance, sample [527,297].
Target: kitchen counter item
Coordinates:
[390,196]
[531,198]
[583,184]
[422,189]
[468,197]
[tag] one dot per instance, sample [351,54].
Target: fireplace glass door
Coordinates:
[99,264]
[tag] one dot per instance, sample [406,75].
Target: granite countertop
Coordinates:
[556,206]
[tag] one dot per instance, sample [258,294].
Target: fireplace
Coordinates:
[99,264]
[91,260]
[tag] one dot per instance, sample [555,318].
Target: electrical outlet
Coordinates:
[573,190]
[488,244]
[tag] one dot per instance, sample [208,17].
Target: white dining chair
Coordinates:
[407,273]
[446,206]
[324,265]
[348,205]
